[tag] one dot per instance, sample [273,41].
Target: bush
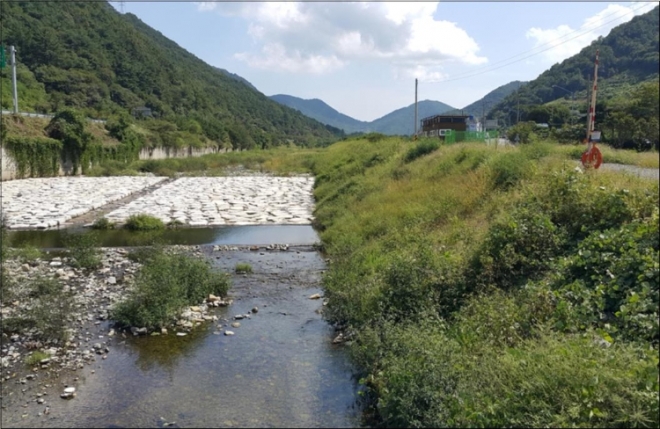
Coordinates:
[243,268]
[520,247]
[424,147]
[83,250]
[143,222]
[166,284]
[508,169]
[103,224]
[25,254]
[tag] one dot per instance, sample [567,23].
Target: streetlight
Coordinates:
[572,100]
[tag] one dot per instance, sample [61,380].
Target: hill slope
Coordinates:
[322,112]
[628,56]
[87,56]
[491,99]
[398,122]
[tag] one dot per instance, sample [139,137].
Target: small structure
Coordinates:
[440,125]
[142,112]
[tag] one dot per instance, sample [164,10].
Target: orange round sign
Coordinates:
[592,158]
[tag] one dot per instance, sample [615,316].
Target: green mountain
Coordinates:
[401,121]
[628,56]
[485,104]
[398,122]
[87,56]
[322,112]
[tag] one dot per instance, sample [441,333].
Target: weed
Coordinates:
[424,147]
[143,222]
[243,268]
[25,254]
[103,224]
[83,249]
[166,284]
[35,358]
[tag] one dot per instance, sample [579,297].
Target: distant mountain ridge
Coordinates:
[628,55]
[398,122]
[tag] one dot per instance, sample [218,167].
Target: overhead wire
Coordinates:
[490,68]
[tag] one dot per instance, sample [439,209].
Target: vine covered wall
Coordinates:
[35,156]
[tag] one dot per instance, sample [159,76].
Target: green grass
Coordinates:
[143,222]
[25,254]
[243,268]
[35,358]
[469,274]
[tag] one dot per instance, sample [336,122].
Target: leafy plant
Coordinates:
[83,250]
[166,284]
[243,268]
[143,222]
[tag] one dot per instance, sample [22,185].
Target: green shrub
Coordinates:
[243,268]
[25,254]
[35,358]
[166,284]
[103,223]
[423,147]
[508,169]
[612,282]
[520,247]
[83,250]
[143,222]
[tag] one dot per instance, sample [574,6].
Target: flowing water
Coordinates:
[280,369]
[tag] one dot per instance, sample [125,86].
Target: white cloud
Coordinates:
[566,41]
[322,37]
[276,57]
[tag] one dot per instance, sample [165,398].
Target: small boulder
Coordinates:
[229,333]
[315,296]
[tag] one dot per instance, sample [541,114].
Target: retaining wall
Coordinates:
[9,168]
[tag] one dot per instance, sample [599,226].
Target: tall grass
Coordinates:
[476,282]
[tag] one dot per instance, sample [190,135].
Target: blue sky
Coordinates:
[362,58]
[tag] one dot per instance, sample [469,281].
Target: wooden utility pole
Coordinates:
[415,128]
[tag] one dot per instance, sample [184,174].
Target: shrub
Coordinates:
[143,222]
[508,169]
[103,223]
[520,247]
[26,253]
[35,358]
[424,147]
[166,284]
[83,250]
[243,268]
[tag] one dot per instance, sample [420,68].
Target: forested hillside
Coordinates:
[490,100]
[628,56]
[87,56]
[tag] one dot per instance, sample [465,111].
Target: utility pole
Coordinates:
[415,132]
[518,106]
[483,116]
[12,54]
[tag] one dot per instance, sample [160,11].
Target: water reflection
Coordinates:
[236,235]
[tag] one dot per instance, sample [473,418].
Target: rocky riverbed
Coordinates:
[273,322]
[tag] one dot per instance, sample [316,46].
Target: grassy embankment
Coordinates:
[492,287]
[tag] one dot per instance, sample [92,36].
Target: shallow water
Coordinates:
[236,235]
[280,369]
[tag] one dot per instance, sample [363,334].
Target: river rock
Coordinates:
[236,325]
[229,333]
[315,296]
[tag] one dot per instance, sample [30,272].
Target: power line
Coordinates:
[490,68]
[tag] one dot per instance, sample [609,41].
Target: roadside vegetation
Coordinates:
[143,222]
[492,287]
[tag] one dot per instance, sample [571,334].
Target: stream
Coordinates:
[280,369]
